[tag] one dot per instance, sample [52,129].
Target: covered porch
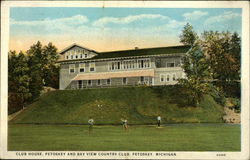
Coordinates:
[114,79]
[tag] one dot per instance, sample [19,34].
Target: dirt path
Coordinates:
[231,116]
[10,117]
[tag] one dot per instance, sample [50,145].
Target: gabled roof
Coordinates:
[142,52]
[75,45]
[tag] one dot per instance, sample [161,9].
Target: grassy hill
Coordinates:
[140,105]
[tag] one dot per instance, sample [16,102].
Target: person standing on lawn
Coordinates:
[159,121]
[91,124]
[125,124]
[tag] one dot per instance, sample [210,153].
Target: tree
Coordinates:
[235,52]
[223,53]
[18,81]
[35,63]
[197,73]
[194,65]
[29,73]
[188,36]
[43,68]
[50,69]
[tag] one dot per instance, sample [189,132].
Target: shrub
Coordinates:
[218,96]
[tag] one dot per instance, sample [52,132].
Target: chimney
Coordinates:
[136,48]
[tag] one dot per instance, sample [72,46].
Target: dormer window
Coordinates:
[170,64]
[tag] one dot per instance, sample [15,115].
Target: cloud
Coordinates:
[53,23]
[226,16]
[129,19]
[80,25]
[195,15]
[154,29]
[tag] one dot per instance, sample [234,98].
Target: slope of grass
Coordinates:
[140,105]
[178,137]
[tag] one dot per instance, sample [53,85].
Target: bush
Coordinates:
[236,104]
[218,96]
[231,89]
[14,103]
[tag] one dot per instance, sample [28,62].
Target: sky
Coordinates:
[108,29]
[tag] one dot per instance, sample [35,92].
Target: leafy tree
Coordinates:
[195,66]
[35,63]
[18,81]
[29,73]
[235,52]
[197,73]
[50,69]
[188,36]
[43,68]
[223,52]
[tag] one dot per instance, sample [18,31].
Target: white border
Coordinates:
[244,154]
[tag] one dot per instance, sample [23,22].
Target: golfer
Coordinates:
[159,121]
[125,124]
[91,124]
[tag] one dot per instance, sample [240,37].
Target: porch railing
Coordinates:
[118,84]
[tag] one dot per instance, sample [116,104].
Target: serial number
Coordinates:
[221,154]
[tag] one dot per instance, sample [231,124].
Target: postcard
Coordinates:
[124,80]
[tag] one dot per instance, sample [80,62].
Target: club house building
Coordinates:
[81,67]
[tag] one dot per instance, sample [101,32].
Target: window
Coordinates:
[115,65]
[130,64]
[158,63]
[146,63]
[86,56]
[124,65]
[133,64]
[162,77]
[142,79]
[143,63]
[140,63]
[89,82]
[72,56]
[80,84]
[71,68]
[80,55]
[124,81]
[92,67]
[98,82]
[76,56]
[118,65]
[67,57]
[170,64]
[168,77]
[108,81]
[82,67]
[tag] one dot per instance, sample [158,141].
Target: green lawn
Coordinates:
[179,137]
[140,105]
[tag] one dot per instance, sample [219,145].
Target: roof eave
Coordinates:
[119,58]
[71,46]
